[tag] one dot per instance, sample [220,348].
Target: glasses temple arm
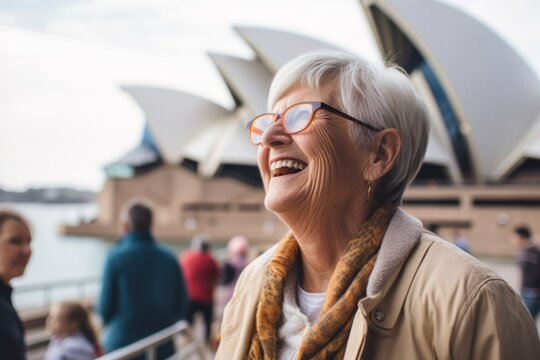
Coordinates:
[348,117]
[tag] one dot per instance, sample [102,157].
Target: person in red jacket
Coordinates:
[201,273]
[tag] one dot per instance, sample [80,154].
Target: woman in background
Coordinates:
[15,251]
[237,253]
[73,335]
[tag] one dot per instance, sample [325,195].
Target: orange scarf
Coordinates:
[327,338]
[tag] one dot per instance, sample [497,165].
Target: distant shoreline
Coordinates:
[48,196]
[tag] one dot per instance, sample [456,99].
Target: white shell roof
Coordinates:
[187,126]
[250,83]
[532,146]
[226,142]
[275,48]
[490,86]
[175,117]
[534,150]
[249,80]
[439,150]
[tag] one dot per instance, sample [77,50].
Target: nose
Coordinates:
[27,250]
[276,135]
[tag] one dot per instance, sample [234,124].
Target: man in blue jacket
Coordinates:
[143,287]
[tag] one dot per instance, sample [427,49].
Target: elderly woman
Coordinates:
[357,277]
[14,255]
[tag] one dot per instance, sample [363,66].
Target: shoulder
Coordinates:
[165,251]
[452,283]
[444,265]
[167,259]
[254,273]
[260,263]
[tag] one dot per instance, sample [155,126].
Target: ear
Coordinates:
[387,145]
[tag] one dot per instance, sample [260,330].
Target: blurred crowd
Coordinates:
[145,288]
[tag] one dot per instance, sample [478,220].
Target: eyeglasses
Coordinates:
[295,118]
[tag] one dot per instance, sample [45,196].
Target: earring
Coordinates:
[370,183]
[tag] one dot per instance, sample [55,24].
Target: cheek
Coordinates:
[262,161]
[7,256]
[330,159]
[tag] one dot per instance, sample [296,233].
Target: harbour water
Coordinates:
[56,257]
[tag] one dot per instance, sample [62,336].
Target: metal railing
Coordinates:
[47,288]
[149,345]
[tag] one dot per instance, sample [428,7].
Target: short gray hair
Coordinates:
[380,95]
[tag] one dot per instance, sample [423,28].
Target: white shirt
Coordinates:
[310,303]
[75,347]
[295,323]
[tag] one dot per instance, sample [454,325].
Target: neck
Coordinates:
[5,279]
[323,238]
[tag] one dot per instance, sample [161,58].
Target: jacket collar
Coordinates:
[396,258]
[401,236]
[138,237]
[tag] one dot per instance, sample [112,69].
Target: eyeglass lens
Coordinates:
[295,119]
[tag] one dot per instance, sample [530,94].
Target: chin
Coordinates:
[276,204]
[281,202]
[271,204]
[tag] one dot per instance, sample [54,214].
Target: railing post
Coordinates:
[47,295]
[80,285]
[151,353]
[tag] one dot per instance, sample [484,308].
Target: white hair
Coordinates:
[382,96]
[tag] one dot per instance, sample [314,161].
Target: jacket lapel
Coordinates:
[401,237]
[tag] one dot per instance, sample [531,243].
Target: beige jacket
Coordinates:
[425,300]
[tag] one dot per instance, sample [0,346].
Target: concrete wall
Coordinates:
[185,204]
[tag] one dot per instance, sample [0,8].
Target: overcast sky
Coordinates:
[62,114]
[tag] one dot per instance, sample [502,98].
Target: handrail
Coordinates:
[149,344]
[48,287]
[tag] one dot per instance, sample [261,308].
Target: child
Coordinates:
[73,336]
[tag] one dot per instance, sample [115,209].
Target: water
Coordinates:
[57,257]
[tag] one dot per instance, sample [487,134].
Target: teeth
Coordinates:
[287,163]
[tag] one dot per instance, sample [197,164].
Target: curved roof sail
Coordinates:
[175,117]
[491,96]
[248,80]
[275,48]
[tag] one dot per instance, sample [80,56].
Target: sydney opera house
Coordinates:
[197,169]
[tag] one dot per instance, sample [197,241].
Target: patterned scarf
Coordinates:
[327,338]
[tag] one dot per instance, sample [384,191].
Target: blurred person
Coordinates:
[356,276]
[15,251]
[237,253]
[143,287]
[201,273]
[529,263]
[461,242]
[74,337]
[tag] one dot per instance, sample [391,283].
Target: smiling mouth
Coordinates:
[286,167]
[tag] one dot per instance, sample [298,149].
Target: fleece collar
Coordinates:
[401,236]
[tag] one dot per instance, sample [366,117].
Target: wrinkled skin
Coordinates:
[325,203]
[333,179]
